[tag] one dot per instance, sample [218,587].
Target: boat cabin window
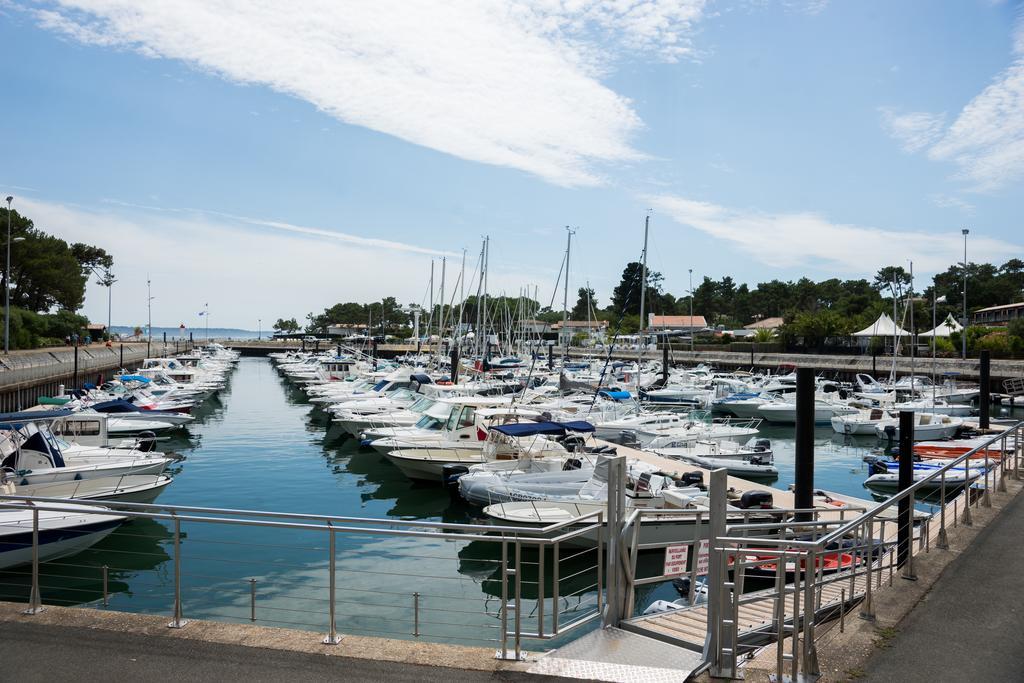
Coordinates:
[380,385]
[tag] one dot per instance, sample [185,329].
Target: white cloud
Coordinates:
[986,141]
[947,201]
[806,239]
[913,130]
[245,273]
[509,82]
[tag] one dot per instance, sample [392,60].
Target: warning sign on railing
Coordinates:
[675,560]
[702,557]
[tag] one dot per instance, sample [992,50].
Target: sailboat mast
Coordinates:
[487,268]
[895,337]
[565,294]
[643,294]
[910,302]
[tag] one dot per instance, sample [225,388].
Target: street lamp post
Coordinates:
[963,334]
[7,283]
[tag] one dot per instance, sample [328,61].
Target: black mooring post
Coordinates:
[165,341]
[74,381]
[803,486]
[664,363]
[906,479]
[373,352]
[455,363]
[191,344]
[985,384]
[122,356]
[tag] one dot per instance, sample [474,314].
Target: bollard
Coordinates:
[804,477]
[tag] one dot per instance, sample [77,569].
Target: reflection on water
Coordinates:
[260,445]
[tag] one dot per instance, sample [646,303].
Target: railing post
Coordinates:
[35,603]
[332,637]
[106,594]
[867,611]
[177,621]
[416,614]
[810,650]
[252,599]
[717,574]
[613,571]
[519,601]
[986,500]
[1001,484]
[942,542]
[503,652]
[541,550]
[554,590]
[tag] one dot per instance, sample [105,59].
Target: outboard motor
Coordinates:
[573,443]
[691,479]
[762,446]
[572,464]
[890,436]
[450,478]
[753,500]
[629,439]
[146,442]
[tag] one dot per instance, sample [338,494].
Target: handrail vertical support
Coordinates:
[177,621]
[332,637]
[986,499]
[106,592]
[35,603]
[942,541]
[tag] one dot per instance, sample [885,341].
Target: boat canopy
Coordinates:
[945,329]
[553,428]
[118,405]
[134,378]
[883,327]
[10,419]
[616,395]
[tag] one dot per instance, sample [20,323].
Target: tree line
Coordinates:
[48,278]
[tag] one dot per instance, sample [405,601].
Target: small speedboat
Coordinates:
[64,529]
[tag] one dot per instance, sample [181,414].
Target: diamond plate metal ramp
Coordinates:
[618,656]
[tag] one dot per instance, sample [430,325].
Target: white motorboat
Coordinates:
[129,488]
[926,427]
[784,412]
[64,529]
[861,423]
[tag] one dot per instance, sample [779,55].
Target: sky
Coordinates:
[268,159]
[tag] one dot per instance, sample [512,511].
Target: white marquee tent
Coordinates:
[945,328]
[883,327]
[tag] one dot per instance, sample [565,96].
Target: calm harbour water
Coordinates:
[259,445]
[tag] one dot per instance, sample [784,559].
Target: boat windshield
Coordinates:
[422,405]
[429,422]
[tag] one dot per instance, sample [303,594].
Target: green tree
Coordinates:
[288,326]
[626,295]
[586,301]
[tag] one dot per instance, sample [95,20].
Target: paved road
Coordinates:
[970,626]
[32,652]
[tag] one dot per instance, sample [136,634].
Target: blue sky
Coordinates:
[272,160]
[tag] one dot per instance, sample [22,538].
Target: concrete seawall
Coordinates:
[27,375]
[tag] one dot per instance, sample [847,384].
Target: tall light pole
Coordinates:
[963,334]
[7,283]
[106,279]
[691,309]
[149,315]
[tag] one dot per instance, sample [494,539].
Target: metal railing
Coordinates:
[820,569]
[381,577]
